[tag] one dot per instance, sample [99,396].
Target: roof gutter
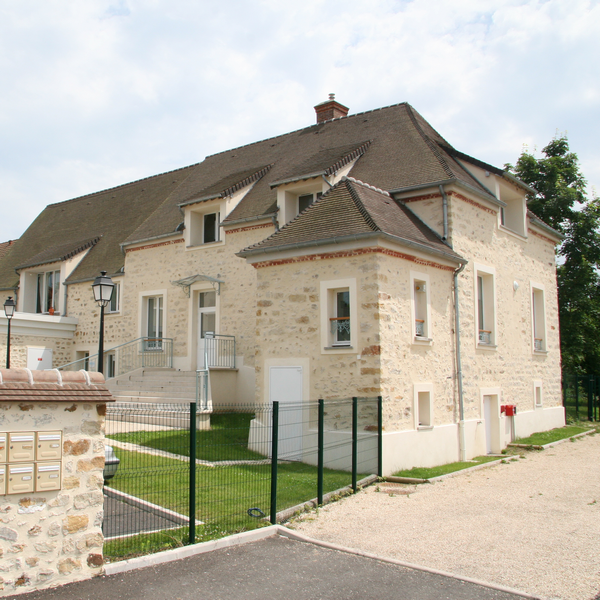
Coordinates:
[455,258]
[250,219]
[535,220]
[150,239]
[444,212]
[458,182]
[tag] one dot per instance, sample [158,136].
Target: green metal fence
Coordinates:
[178,484]
[581,396]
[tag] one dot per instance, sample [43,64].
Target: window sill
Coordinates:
[516,234]
[536,406]
[338,348]
[481,346]
[424,427]
[422,341]
[207,245]
[540,352]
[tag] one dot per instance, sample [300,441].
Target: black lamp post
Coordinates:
[103,288]
[9,311]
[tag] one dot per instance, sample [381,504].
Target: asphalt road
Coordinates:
[276,568]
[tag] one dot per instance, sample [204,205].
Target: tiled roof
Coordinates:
[23,385]
[5,246]
[59,253]
[352,210]
[398,150]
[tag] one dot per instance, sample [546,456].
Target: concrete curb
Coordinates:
[179,553]
[293,535]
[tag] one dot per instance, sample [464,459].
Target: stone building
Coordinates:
[360,256]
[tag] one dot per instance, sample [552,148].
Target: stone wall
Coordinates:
[62,349]
[55,537]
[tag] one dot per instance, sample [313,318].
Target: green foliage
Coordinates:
[560,201]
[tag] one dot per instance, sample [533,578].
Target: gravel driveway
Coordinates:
[532,524]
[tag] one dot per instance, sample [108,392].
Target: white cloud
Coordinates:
[101,92]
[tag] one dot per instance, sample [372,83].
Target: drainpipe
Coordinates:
[461,425]
[445,212]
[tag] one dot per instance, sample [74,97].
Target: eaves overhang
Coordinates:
[518,182]
[359,237]
[454,181]
[199,200]
[150,239]
[265,217]
[299,178]
[534,220]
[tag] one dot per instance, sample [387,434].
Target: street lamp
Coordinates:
[103,288]
[9,311]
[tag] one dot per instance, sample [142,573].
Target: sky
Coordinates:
[98,93]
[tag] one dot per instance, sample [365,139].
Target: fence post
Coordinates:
[590,398]
[354,442]
[321,452]
[274,440]
[379,436]
[192,511]
[576,397]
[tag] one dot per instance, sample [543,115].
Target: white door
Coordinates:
[206,325]
[285,385]
[39,359]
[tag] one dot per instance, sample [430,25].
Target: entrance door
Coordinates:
[492,423]
[285,385]
[207,302]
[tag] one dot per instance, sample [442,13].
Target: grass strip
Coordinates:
[554,435]
[430,472]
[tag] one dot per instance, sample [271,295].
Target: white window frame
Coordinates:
[423,395]
[538,394]
[537,294]
[328,305]
[114,306]
[195,226]
[488,309]
[143,313]
[42,276]
[420,307]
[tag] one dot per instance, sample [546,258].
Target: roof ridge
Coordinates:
[432,145]
[282,135]
[359,204]
[122,185]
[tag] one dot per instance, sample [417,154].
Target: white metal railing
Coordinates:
[219,351]
[202,389]
[485,337]
[139,353]
[419,328]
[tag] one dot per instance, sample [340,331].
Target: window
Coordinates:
[420,307]
[538,318]
[423,405]
[538,396]
[48,292]
[485,307]
[339,320]
[154,330]
[115,299]
[305,200]
[210,228]
[110,365]
[512,216]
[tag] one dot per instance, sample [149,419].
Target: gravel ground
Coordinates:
[532,524]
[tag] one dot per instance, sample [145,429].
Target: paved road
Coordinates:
[276,568]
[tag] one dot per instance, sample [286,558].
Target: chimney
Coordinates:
[330,110]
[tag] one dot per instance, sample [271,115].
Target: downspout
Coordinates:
[444,212]
[461,406]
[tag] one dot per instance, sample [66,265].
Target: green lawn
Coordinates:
[227,439]
[547,437]
[223,495]
[428,473]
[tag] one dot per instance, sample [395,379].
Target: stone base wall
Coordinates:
[52,538]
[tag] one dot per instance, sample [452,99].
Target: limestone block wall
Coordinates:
[512,365]
[62,349]
[288,313]
[54,537]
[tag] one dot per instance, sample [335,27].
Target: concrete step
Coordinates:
[158,386]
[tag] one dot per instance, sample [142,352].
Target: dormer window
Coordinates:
[210,231]
[305,200]
[204,226]
[48,292]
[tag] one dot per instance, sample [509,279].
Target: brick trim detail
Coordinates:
[263,226]
[542,237]
[169,243]
[350,253]
[453,195]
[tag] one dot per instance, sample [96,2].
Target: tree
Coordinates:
[561,201]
